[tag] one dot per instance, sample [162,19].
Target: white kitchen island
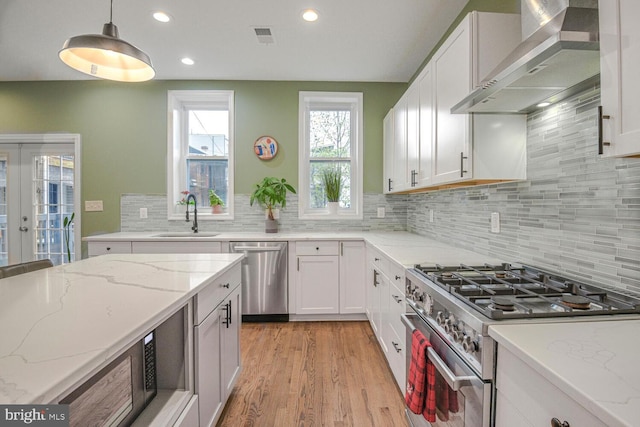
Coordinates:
[59,326]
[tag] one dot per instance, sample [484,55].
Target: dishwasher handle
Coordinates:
[257,248]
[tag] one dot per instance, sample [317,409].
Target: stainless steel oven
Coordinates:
[462,397]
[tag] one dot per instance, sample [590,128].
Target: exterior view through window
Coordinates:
[330,141]
[201,152]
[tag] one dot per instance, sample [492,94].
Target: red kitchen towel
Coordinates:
[420,397]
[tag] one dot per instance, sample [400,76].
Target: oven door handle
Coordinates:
[455,381]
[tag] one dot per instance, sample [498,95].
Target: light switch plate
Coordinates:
[381,212]
[495,222]
[431,215]
[93,206]
[143,213]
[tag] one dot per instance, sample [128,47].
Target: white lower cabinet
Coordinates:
[103,248]
[385,304]
[217,349]
[525,398]
[329,277]
[189,416]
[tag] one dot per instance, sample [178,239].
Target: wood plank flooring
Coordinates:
[313,374]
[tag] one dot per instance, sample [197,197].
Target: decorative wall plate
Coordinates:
[265,147]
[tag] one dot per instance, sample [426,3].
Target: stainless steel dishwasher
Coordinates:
[265,286]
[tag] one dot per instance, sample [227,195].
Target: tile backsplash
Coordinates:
[576,213]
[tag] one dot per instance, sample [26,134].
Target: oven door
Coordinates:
[462,398]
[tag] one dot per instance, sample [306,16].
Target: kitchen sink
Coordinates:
[184,234]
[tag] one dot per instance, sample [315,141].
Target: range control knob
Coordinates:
[440,318]
[459,336]
[469,345]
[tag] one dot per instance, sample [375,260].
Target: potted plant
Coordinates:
[332,181]
[215,202]
[271,193]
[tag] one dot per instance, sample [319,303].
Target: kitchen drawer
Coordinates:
[396,275]
[397,307]
[397,359]
[524,393]
[183,247]
[212,295]
[102,248]
[317,248]
[379,261]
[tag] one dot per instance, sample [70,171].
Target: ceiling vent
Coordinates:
[264,35]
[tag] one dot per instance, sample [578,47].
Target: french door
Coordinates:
[39,193]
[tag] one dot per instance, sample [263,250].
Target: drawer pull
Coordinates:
[397,298]
[556,423]
[376,259]
[108,248]
[397,277]
[396,346]
[226,285]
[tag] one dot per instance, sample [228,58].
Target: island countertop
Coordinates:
[60,324]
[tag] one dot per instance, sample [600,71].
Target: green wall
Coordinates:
[124,131]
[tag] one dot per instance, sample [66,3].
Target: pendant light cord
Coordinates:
[111,13]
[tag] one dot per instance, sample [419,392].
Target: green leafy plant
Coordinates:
[271,193]
[66,225]
[183,200]
[214,199]
[332,181]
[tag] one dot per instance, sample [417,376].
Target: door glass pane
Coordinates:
[4,254]
[52,203]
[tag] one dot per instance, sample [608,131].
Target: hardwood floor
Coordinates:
[313,374]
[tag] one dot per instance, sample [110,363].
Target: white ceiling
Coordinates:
[353,40]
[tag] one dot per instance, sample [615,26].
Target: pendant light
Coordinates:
[107,56]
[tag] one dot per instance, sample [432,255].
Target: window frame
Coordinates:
[179,102]
[355,101]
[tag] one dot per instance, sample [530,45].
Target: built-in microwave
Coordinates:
[119,392]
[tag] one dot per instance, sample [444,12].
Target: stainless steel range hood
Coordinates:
[559,57]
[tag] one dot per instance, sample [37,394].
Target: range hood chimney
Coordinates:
[558,57]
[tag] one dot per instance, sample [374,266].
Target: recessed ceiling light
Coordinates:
[310,15]
[543,104]
[161,16]
[187,61]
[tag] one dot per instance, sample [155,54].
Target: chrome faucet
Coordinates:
[195,212]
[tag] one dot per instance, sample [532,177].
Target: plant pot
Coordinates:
[270,226]
[333,207]
[216,209]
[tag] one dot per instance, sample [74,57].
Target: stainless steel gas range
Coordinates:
[453,306]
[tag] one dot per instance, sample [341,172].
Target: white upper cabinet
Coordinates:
[387,159]
[432,146]
[620,88]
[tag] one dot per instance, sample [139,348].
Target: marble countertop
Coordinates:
[59,325]
[402,247]
[594,363]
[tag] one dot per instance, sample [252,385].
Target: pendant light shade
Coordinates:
[107,56]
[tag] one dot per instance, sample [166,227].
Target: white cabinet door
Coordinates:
[620,87]
[426,127]
[452,82]
[230,342]
[317,283]
[352,277]
[400,182]
[207,368]
[387,161]
[382,314]
[412,168]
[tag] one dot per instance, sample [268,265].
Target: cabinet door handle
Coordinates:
[397,298]
[341,248]
[414,181]
[226,315]
[462,159]
[396,346]
[601,142]
[390,181]
[298,263]
[230,314]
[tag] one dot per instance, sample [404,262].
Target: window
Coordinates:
[200,151]
[330,126]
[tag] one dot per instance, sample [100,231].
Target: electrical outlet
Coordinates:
[143,213]
[431,215]
[93,206]
[495,222]
[381,212]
